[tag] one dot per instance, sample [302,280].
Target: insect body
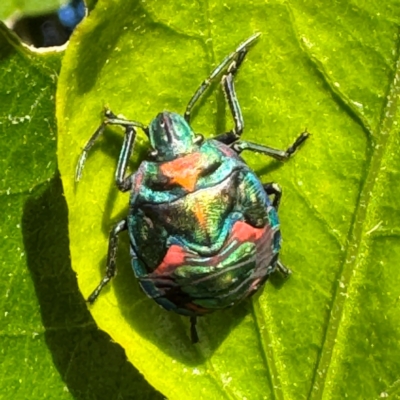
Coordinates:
[204,232]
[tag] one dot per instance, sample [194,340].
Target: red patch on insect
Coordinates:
[174,258]
[184,171]
[247,233]
[241,232]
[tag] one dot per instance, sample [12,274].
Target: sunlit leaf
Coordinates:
[332,330]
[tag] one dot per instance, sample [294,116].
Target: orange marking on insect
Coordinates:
[184,170]
[200,214]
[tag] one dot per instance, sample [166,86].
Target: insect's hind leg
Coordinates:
[111,268]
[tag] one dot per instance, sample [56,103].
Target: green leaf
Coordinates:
[27,162]
[332,330]
[49,342]
[28,7]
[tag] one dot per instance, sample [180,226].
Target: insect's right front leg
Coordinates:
[111,267]
[124,183]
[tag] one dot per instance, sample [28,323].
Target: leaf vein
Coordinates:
[354,258]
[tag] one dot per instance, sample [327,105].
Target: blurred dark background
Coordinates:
[53,29]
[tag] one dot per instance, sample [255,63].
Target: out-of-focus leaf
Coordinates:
[28,7]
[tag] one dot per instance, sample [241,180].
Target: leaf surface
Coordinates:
[49,342]
[27,161]
[332,330]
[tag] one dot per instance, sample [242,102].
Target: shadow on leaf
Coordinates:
[169,331]
[89,363]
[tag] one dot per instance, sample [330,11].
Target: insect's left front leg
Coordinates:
[111,268]
[228,87]
[237,54]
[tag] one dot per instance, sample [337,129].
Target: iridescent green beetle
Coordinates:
[204,233]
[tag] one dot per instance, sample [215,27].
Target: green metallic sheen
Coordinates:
[204,232]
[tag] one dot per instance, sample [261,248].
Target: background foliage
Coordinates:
[28,7]
[332,330]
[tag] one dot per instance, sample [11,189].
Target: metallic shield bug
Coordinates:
[204,233]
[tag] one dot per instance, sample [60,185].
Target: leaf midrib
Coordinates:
[356,236]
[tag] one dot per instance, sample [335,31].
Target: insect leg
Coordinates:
[111,268]
[88,146]
[281,155]
[282,269]
[230,95]
[275,190]
[110,119]
[193,331]
[125,183]
[206,83]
